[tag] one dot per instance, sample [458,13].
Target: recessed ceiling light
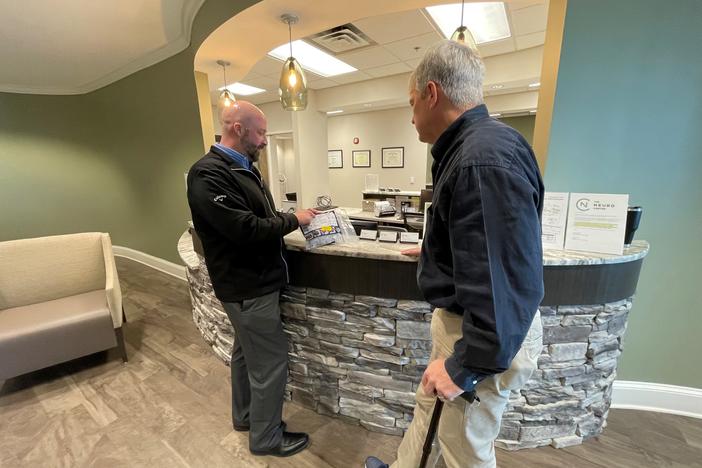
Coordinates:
[335,112]
[243,89]
[487,21]
[313,59]
[496,114]
[497,86]
[534,85]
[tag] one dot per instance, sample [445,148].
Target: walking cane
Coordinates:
[434,423]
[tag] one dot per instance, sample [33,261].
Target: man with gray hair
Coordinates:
[480,262]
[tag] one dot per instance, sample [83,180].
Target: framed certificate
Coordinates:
[335,159]
[361,158]
[393,157]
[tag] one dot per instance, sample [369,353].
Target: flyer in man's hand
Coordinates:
[324,229]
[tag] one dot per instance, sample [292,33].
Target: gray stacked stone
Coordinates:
[370,353]
[361,359]
[567,399]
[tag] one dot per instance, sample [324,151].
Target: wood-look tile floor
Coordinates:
[170,407]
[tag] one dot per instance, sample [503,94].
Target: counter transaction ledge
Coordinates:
[359,336]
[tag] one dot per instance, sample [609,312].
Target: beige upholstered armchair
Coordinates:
[59,299]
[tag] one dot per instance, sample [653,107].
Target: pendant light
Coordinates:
[293,84]
[462,35]
[226,99]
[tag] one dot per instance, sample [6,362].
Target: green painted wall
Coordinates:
[111,160]
[523,124]
[628,119]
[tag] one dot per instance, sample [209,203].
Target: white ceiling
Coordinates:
[77,46]
[402,38]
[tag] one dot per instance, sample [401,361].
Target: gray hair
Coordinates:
[457,68]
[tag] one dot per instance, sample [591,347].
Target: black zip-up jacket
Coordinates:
[481,255]
[241,232]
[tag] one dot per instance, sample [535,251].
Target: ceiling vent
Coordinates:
[341,39]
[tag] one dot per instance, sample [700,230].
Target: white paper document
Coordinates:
[553,220]
[596,222]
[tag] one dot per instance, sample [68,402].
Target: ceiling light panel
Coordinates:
[486,21]
[243,89]
[312,59]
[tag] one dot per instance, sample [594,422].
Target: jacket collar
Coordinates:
[229,161]
[449,136]
[225,157]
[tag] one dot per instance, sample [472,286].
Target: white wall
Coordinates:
[279,120]
[310,145]
[375,130]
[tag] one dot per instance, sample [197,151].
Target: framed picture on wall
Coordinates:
[361,158]
[393,157]
[335,159]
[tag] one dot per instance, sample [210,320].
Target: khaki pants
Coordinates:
[466,432]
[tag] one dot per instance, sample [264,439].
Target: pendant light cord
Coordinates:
[290,35]
[463,4]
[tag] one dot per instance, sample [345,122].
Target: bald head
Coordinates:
[244,129]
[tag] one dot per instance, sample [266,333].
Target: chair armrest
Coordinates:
[112,288]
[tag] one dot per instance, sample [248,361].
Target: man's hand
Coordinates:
[413,252]
[304,217]
[436,381]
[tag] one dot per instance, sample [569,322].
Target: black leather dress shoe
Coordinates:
[247,427]
[292,443]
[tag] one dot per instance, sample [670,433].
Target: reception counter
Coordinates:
[359,336]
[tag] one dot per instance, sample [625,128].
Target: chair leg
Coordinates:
[120,344]
[124,317]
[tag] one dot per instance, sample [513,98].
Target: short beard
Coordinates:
[253,153]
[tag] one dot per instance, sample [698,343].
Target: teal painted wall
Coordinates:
[628,119]
[111,160]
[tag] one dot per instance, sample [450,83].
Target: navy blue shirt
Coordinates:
[481,255]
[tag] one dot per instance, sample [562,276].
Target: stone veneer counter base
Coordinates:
[358,354]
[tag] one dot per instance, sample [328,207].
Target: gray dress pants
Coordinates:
[259,368]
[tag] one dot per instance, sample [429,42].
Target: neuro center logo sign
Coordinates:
[583,204]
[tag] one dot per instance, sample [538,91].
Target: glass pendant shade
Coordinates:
[226,100]
[293,86]
[463,36]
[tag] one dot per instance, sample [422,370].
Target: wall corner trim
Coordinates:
[170,268]
[661,398]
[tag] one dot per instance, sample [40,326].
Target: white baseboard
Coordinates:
[661,398]
[170,268]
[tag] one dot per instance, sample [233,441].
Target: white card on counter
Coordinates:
[368,234]
[409,238]
[388,236]
[553,220]
[596,222]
